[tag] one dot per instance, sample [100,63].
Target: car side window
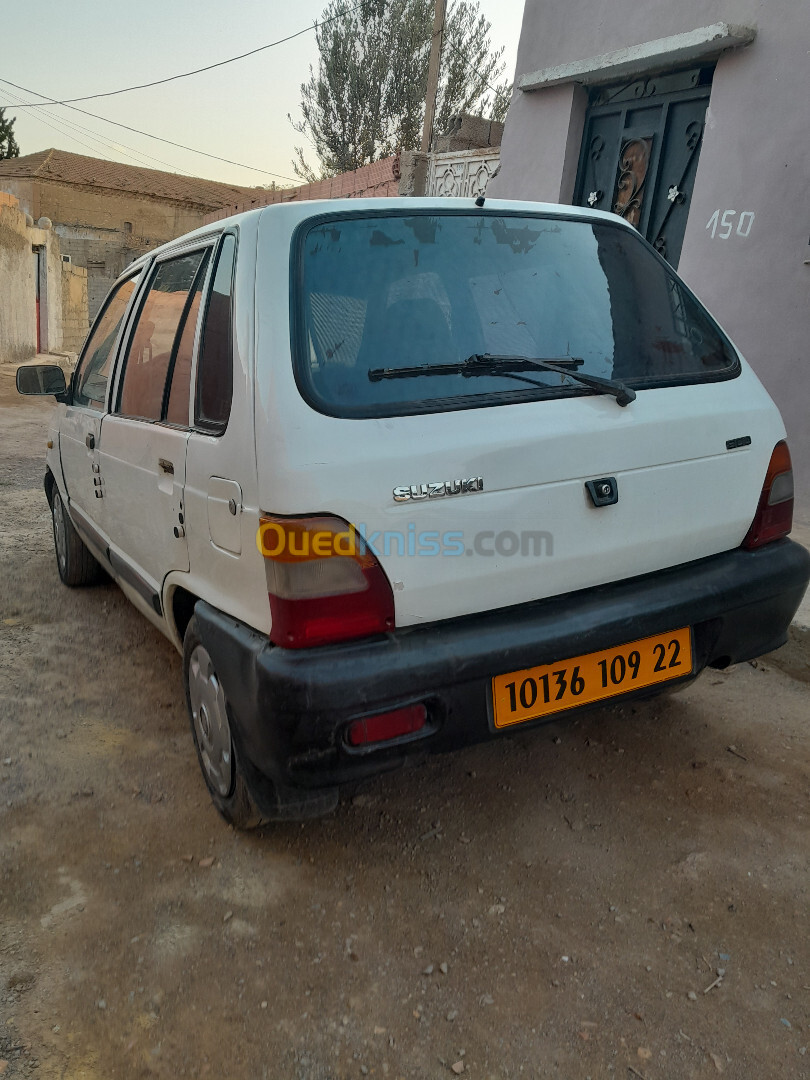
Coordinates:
[180,377]
[212,405]
[93,372]
[157,338]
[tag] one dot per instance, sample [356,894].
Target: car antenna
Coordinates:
[479,201]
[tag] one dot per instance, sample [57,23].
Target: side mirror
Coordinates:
[41,380]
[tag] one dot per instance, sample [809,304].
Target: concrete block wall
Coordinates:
[467,132]
[413,173]
[103,253]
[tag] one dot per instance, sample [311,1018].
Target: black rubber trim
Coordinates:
[86,529]
[94,539]
[291,707]
[135,580]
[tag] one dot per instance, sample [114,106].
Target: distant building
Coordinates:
[106,214]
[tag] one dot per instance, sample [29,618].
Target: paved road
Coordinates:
[558,904]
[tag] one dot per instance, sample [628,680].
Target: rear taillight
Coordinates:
[774,516]
[386,726]
[323,582]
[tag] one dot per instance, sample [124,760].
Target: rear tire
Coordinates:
[74,562]
[209,715]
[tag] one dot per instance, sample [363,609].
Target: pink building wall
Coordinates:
[755,160]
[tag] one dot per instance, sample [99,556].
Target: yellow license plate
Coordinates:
[552,688]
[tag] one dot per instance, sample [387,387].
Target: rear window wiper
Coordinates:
[510,366]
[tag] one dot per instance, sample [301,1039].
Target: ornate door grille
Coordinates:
[640,153]
[463,173]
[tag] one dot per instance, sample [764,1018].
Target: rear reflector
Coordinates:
[323,582]
[385,726]
[774,516]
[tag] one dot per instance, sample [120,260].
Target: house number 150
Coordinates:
[725,220]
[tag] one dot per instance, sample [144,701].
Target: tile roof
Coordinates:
[66,168]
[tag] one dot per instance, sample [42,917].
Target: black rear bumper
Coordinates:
[290,708]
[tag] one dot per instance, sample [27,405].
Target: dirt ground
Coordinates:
[621,896]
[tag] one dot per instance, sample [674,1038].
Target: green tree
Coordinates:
[8,144]
[367,98]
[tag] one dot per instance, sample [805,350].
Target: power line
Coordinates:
[198,71]
[65,127]
[66,103]
[148,135]
[60,130]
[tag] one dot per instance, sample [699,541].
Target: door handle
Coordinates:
[90,441]
[166,466]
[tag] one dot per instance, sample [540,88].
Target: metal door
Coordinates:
[640,153]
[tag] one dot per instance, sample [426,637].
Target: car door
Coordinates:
[81,424]
[142,450]
[221,486]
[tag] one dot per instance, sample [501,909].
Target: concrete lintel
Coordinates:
[694,45]
[463,155]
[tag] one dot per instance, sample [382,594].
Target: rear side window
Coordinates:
[421,290]
[180,377]
[93,373]
[156,340]
[215,363]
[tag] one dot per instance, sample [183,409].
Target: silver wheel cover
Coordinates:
[59,531]
[210,721]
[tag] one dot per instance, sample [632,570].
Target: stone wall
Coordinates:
[50,291]
[74,307]
[18,329]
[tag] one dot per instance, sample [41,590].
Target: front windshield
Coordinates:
[406,290]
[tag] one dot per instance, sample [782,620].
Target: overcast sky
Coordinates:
[238,111]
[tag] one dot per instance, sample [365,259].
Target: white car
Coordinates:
[396,475]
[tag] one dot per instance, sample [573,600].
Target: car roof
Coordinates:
[295,212]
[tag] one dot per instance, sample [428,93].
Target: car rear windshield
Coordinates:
[388,291]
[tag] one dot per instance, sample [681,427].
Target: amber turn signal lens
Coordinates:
[774,516]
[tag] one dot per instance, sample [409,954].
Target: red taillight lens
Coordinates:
[774,516]
[384,726]
[323,582]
